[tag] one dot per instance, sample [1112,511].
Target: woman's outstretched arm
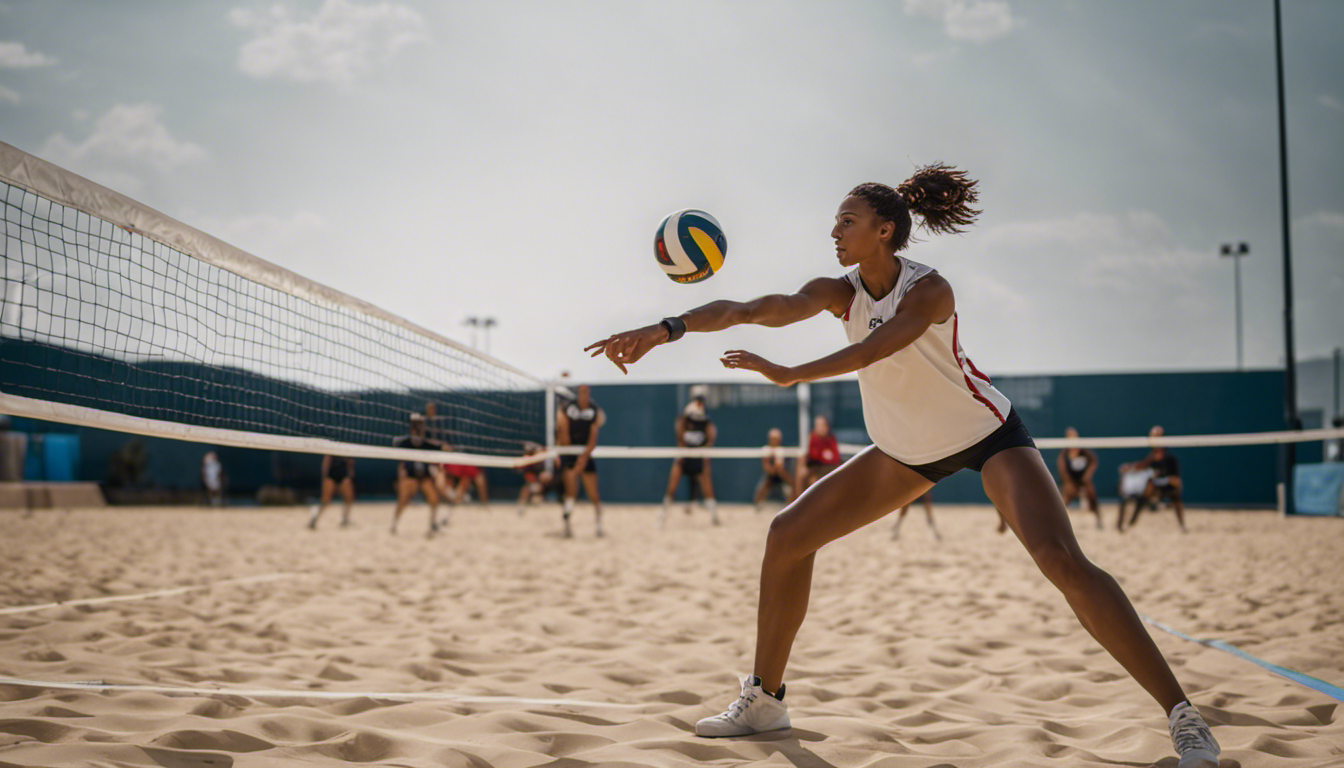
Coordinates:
[930,301]
[823,293]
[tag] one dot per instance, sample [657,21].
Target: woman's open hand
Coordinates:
[628,347]
[748,361]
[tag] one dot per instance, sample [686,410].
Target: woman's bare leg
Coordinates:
[406,488]
[863,490]
[1090,493]
[348,493]
[1018,483]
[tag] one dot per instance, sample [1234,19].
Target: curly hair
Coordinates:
[939,193]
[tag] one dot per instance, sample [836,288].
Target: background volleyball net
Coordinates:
[113,315]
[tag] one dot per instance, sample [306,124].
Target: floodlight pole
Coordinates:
[1236,252]
[1289,453]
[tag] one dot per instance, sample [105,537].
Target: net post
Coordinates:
[804,390]
[550,415]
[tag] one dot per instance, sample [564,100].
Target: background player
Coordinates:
[694,430]
[338,473]
[538,478]
[213,478]
[823,454]
[460,479]
[1076,468]
[774,469]
[417,476]
[577,424]
[927,500]
[1165,482]
[930,413]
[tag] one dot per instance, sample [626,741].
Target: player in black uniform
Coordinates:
[413,476]
[577,424]
[1166,480]
[694,430]
[1076,468]
[338,473]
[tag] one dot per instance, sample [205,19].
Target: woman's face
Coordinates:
[821,426]
[858,233]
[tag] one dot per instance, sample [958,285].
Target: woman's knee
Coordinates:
[785,538]
[1066,567]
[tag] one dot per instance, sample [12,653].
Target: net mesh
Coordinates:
[96,314]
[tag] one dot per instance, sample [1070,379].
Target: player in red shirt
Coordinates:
[823,454]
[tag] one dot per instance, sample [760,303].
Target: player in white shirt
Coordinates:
[930,412]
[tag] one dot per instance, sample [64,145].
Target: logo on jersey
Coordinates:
[876,321]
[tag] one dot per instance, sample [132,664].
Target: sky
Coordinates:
[512,159]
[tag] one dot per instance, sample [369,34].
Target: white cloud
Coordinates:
[9,95]
[1106,251]
[1325,222]
[122,143]
[342,41]
[975,20]
[1330,102]
[17,56]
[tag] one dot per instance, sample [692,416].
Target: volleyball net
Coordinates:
[114,315]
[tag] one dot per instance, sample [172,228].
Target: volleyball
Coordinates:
[690,246]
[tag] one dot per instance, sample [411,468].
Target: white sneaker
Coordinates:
[1192,738]
[755,711]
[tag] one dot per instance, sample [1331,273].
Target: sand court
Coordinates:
[499,643]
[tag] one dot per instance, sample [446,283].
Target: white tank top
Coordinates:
[926,401]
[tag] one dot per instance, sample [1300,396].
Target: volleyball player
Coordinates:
[417,476]
[577,424]
[774,469]
[538,478]
[1076,468]
[1165,483]
[930,413]
[694,430]
[927,500]
[823,454]
[338,473]
[460,479]
[212,478]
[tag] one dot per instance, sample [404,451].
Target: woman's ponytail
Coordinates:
[942,196]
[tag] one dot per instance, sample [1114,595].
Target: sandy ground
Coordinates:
[916,653]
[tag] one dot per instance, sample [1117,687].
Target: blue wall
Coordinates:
[643,415]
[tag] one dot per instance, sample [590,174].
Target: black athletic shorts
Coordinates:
[692,465]
[1167,491]
[416,470]
[568,461]
[1012,433]
[338,470]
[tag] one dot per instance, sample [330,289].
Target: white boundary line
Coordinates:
[145,595]
[264,693]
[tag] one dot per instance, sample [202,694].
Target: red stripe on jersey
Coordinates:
[977,372]
[849,306]
[956,352]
